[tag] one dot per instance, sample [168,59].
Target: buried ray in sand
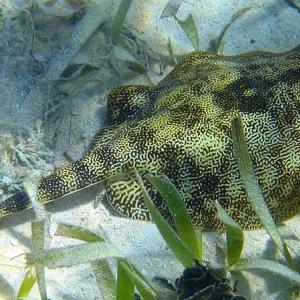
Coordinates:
[180,127]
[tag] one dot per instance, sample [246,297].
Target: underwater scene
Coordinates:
[150,149]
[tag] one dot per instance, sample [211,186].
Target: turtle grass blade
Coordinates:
[73,255]
[27,284]
[286,293]
[125,287]
[267,265]
[171,8]
[119,19]
[180,250]
[138,274]
[76,232]
[234,236]
[105,279]
[171,52]
[219,42]
[189,27]
[119,53]
[38,233]
[96,14]
[146,290]
[179,213]
[101,269]
[252,187]
[294,4]
[38,229]
[294,246]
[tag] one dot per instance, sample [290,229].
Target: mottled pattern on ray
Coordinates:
[181,128]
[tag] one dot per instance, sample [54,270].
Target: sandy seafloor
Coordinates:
[71,111]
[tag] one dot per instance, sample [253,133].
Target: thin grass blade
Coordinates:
[73,255]
[189,27]
[294,4]
[38,243]
[171,8]
[245,264]
[119,53]
[183,254]
[252,187]
[287,293]
[171,52]
[234,236]
[38,232]
[119,19]
[179,213]
[125,287]
[27,284]
[146,290]
[105,279]
[141,277]
[101,269]
[96,14]
[219,42]
[76,232]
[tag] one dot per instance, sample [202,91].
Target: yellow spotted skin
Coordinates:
[180,127]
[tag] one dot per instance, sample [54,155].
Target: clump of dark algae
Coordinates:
[198,283]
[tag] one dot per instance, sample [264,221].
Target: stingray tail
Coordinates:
[17,202]
[85,172]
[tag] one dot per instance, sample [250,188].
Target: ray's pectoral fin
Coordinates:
[125,196]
